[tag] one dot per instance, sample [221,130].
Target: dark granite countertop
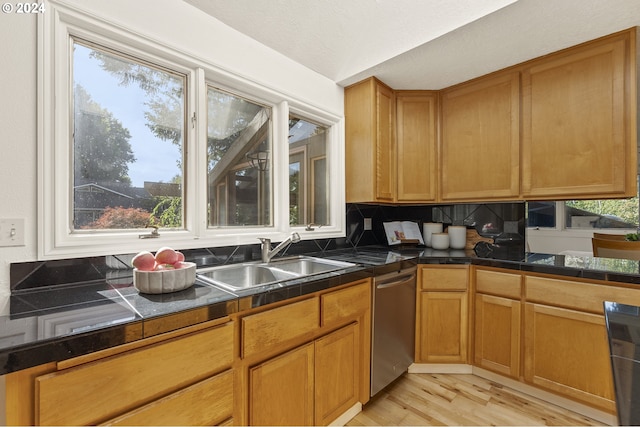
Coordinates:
[57,323]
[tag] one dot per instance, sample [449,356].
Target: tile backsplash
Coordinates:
[497,220]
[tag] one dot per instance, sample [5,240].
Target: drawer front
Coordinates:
[577,295]
[346,304]
[209,402]
[107,388]
[444,278]
[498,283]
[266,330]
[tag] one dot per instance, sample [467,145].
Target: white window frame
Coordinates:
[55,237]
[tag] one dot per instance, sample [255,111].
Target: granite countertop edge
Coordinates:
[37,351]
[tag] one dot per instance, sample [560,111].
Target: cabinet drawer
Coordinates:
[444,278]
[104,389]
[208,402]
[577,295]
[498,283]
[346,304]
[268,329]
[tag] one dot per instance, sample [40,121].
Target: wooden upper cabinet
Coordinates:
[481,139]
[579,124]
[416,117]
[369,142]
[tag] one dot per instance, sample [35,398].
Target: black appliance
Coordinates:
[623,330]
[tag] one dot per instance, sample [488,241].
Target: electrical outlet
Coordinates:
[367,224]
[12,232]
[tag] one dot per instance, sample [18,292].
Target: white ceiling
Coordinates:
[419,44]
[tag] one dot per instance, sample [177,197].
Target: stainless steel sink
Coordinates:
[242,276]
[247,275]
[306,266]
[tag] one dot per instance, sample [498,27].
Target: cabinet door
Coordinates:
[481,139]
[497,334]
[566,351]
[385,145]
[337,374]
[416,114]
[442,335]
[281,390]
[370,154]
[579,135]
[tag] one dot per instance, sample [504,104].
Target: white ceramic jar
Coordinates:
[428,228]
[440,241]
[457,236]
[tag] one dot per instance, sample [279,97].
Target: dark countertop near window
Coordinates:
[57,323]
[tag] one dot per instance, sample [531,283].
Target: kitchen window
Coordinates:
[584,214]
[128,126]
[621,214]
[136,135]
[308,179]
[239,156]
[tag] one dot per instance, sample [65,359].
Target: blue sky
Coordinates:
[155,158]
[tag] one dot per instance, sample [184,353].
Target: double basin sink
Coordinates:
[248,275]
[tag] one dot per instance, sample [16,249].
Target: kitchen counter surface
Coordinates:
[60,322]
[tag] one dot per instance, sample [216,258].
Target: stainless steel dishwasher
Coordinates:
[393,326]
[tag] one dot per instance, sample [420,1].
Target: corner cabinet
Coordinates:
[442,326]
[370,142]
[480,153]
[579,132]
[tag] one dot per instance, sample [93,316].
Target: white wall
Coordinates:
[18,167]
[171,22]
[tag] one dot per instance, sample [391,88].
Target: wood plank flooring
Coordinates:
[460,400]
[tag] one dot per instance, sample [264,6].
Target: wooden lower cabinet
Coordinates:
[497,334]
[442,315]
[336,373]
[309,385]
[166,373]
[321,369]
[566,351]
[498,321]
[281,390]
[443,326]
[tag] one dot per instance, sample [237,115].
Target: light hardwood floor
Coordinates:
[460,400]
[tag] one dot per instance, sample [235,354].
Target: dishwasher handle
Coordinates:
[396,281]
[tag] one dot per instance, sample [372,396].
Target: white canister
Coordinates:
[428,229]
[440,240]
[457,236]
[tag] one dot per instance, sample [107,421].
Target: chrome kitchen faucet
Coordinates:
[268,253]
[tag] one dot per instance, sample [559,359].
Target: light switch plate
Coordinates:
[367,224]
[12,232]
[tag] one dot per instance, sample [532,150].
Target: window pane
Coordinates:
[128,127]
[308,173]
[609,213]
[541,214]
[239,161]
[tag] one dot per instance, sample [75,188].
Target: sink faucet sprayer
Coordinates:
[268,253]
